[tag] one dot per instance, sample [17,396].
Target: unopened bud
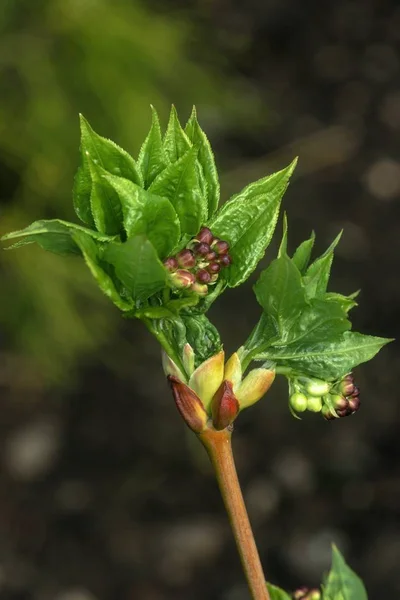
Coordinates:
[300,593]
[214,267]
[317,387]
[354,404]
[327,414]
[313,594]
[339,402]
[346,387]
[201,249]
[343,413]
[356,392]
[182,278]
[203,276]
[298,402]
[199,288]
[211,255]
[254,386]
[224,406]
[221,247]
[171,264]
[205,235]
[189,405]
[314,404]
[186,258]
[225,260]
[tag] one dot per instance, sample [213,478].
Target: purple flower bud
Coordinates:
[356,392]
[349,378]
[203,276]
[211,256]
[346,387]
[221,247]
[183,278]
[224,406]
[205,235]
[343,413]
[171,264]
[326,413]
[186,258]
[214,267]
[354,404]
[201,249]
[339,402]
[225,260]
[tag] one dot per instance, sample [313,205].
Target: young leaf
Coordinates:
[105,202]
[317,275]
[247,221]
[179,183]
[283,247]
[346,302]
[301,257]
[90,252]
[107,155]
[342,583]
[137,266]
[147,213]
[262,336]
[152,158]
[54,235]
[206,160]
[276,593]
[329,359]
[202,336]
[280,292]
[176,142]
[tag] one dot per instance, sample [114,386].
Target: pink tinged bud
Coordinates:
[224,406]
[339,402]
[233,371]
[225,260]
[171,264]
[189,405]
[346,388]
[188,359]
[205,235]
[356,392]
[201,249]
[182,278]
[199,288]
[221,247]
[211,256]
[327,414]
[207,378]
[214,267]
[186,258]
[203,276]
[254,386]
[170,368]
[354,404]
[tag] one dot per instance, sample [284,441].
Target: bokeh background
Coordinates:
[104,495]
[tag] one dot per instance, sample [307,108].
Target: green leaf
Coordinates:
[137,267]
[280,292]
[152,158]
[342,583]
[206,160]
[262,336]
[179,183]
[276,593]
[91,254]
[105,202]
[107,155]
[283,247]
[176,142]
[329,359]
[54,235]
[317,275]
[247,221]
[202,336]
[301,257]
[147,213]
[346,302]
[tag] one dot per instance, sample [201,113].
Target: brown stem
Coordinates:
[219,448]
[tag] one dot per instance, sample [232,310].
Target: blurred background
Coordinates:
[104,495]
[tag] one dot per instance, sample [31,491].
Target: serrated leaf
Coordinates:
[346,302]
[262,336]
[206,160]
[91,254]
[276,593]
[53,235]
[176,142]
[105,202]
[152,158]
[301,257]
[137,266]
[107,155]
[147,213]
[329,359]
[179,183]
[317,275]
[247,221]
[202,336]
[280,292]
[342,583]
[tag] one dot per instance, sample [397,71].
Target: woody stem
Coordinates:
[219,448]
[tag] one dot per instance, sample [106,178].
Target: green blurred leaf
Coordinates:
[147,213]
[317,275]
[152,157]
[54,235]
[91,254]
[112,158]
[247,221]
[137,266]
[301,257]
[206,160]
[342,583]
[275,593]
[329,359]
[179,183]
[176,142]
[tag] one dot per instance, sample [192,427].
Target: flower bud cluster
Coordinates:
[305,593]
[334,400]
[198,265]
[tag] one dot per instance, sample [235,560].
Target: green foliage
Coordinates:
[342,583]
[276,593]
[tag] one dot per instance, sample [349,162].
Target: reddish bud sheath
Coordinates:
[186,258]
[201,249]
[224,406]
[183,278]
[213,267]
[211,256]
[225,260]
[171,264]
[354,404]
[346,388]
[205,235]
[203,276]
[189,405]
[221,247]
